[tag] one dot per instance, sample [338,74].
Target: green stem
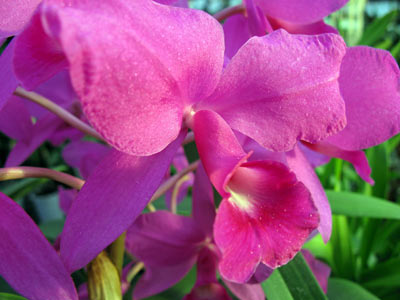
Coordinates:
[33,172]
[116,252]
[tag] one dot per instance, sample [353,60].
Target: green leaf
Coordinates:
[5,296]
[356,205]
[385,274]
[293,281]
[374,32]
[275,287]
[339,289]
[342,250]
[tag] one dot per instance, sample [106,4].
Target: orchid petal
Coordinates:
[139,108]
[237,33]
[357,158]
[27,260]
[305,173]
[115,193]
[281,88]
[14,15]
[318,27]
[267,218]
[84,155]
[320,270]
[7,77]
[15,120]
[37,58]
[246,291]
[41,131]
[218,147]
[370,85]
[168,245]
[300,11]
[203,201]
[261,274]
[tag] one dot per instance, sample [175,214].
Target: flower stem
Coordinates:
[116,252]
[58,111]
[229,11]
[175,193]
[134,271]
[29,172]
[170,182]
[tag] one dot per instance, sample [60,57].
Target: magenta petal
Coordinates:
[246,291]
[133,93]
[305,173]
[15,120]
[318,27]
[300,11]
[261,274]
[320,270]
[37,58]
[218,147]
[203,201]
[27,261]
[115,193]
[267,218]
[281,88]
[370,84]
[236,31]
[14,15]
[7,77]
[357,158]
[168,245]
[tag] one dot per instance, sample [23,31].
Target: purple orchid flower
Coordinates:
[169,245]
[365,127]
[27,261]
[155,88]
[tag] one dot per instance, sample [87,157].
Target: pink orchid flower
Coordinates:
[142,93]
[266,214]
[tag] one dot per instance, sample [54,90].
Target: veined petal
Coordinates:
[37,58]
[305,173]
[281,88]
[267,218]
[300,11]
[134,91]
[370,85]
[14,15]
[27,260]
[115,193]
